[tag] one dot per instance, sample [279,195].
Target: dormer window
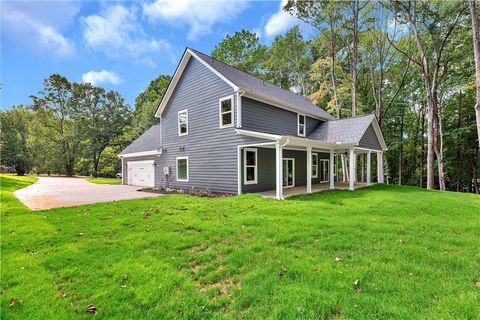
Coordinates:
[183,122]
[226,112]
[301,125]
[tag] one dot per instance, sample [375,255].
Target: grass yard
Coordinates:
[415,253]
[104,180]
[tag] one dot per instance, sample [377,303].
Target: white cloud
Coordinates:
[279,21]
[200,16]
[98,77]
[38,25]
[116,32]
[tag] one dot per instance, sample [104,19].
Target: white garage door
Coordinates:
[141,173]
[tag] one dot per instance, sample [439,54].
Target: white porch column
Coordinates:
[380,174]
[332,169]
[239,170]
[279,171]
[369,165]
[351,185]
[123,172]
[309,169]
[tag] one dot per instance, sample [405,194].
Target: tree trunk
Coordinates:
[332,70]
[476,51]
[400,158]
[457,146]
[354,58]
[422,154]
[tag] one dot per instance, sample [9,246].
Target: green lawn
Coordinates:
[104,180]
[415,253]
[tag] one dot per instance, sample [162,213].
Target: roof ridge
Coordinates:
[356,117]
[246,72]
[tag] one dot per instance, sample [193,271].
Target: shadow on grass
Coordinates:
[336,196]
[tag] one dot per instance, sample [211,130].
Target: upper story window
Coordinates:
[183,122]
[226,112]
[301,125]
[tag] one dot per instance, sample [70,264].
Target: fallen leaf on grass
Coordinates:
[125,277]
[62,294]
[124,286]
[338,259]
[14,301]
[282,272]
[91,309]
[357,285]
[477,282]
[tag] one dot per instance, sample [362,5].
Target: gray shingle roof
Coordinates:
[148,141]
[348,130]
[264,88]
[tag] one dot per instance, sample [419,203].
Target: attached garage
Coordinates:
[141,173]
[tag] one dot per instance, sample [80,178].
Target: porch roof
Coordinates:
[334,134]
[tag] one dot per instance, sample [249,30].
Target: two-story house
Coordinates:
[225,130]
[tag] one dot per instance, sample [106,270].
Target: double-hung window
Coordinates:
[314,165]
[182,169]
[183,122]
[301,125]
[225,106]
[324,170]
[250,166]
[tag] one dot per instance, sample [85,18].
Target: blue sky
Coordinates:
[120,46]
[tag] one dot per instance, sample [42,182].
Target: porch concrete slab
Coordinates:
[56,192]
[294,191]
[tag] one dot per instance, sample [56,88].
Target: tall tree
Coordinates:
[476,50]
[243,51]
[54,111]
[432,24]
[290,61]
[101,116]
[14,149]
[146,104]
[318,14]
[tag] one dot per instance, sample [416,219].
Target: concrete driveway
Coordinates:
[55,192]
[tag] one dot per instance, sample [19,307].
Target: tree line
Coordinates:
[74,128]
[415,64]
[411,63]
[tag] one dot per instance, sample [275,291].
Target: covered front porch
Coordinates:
[292,165]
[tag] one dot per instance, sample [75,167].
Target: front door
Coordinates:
[288,172]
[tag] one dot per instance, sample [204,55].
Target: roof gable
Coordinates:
[347,131]
[252,86]
[148,141]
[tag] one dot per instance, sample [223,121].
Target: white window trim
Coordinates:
[178,122]
[304,124]
[328,169]
[315,164]
[220,113]
[245,166]
[176,168]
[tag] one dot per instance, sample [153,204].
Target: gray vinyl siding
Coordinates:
[211,150]
[262,117]
[370,140]
[266,172]
[159,161]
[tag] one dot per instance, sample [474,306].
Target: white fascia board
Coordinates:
[294,141]
[209,67]
[139,154]
[280,104]
[257,134]
[177,75]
